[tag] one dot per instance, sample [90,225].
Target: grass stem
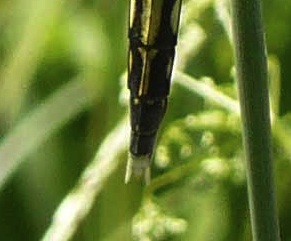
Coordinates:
[251,67]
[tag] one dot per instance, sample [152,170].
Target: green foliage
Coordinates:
[61,63]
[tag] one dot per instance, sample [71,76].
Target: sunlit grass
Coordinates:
[21,64]
[42,123]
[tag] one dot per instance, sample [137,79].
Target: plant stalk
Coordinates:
[251,70]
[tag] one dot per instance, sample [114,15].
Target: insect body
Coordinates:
[153,28]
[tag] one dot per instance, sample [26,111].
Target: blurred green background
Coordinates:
[61,52]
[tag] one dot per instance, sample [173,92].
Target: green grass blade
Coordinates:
[78,203]
[41,123]
[251,66]
[20,66]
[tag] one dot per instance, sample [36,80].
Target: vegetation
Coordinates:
[64,127]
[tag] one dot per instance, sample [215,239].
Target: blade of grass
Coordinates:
[223,14]
[18,69]
[77,204]
[41,123]
[278,128]
[207,91]
[251,67]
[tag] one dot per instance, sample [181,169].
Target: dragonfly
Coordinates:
[153,30]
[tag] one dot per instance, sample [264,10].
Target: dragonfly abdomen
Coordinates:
[152,39]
